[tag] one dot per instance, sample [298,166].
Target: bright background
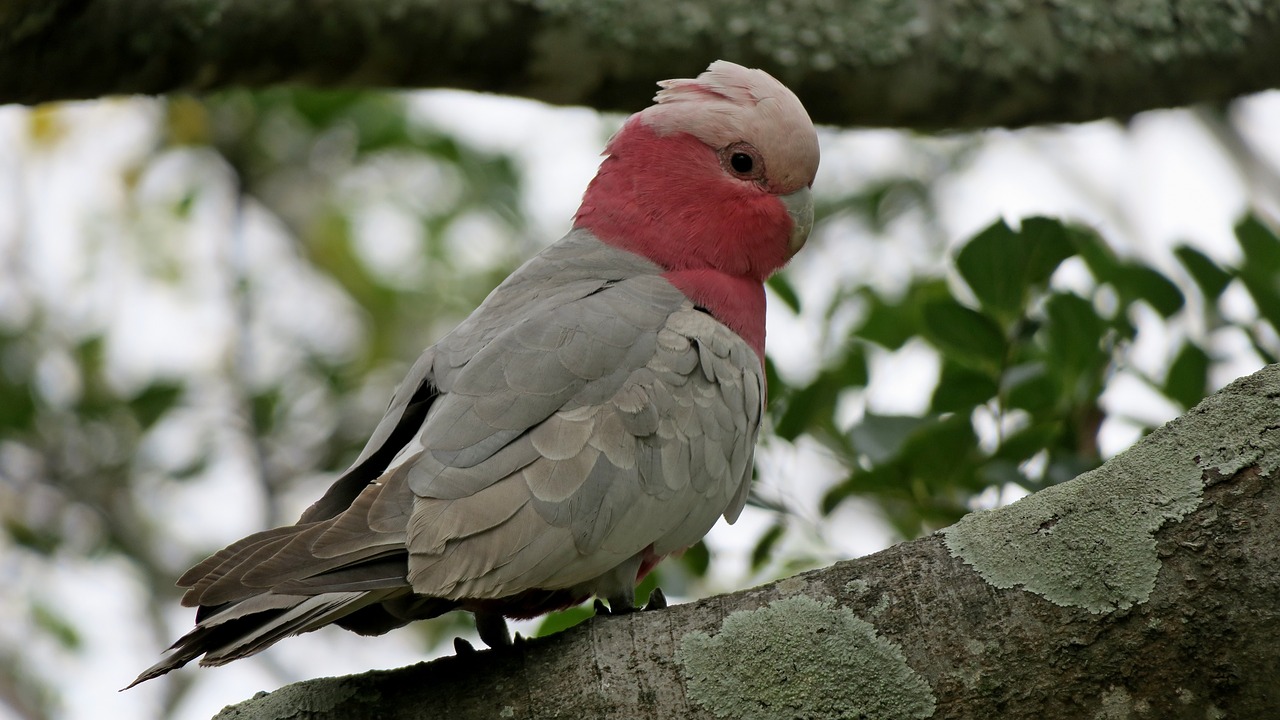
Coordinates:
[205,304]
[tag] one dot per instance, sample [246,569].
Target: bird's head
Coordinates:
[715,175]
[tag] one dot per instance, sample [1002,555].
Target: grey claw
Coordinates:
[462,647]
[600,608]
[657,600]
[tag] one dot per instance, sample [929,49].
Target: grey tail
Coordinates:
[246,628]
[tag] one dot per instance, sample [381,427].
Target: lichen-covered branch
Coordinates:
[1145,588]
[922,63]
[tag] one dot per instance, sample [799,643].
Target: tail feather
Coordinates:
[376,573]
[312,613]
[249,627]
[294,579]
[216,564]
[293,554]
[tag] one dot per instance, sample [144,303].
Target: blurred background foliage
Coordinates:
[320,240]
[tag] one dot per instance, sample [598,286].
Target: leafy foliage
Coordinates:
[1017,353]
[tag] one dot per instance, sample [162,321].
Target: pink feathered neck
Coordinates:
[668,199]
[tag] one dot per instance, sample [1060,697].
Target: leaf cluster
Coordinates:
[1023,363]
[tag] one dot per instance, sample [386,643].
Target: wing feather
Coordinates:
[653,464]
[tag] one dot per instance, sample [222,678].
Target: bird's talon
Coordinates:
[600,609]
[462,647]
[492,628]
[657,600]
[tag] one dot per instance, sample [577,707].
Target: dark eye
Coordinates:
[743,162]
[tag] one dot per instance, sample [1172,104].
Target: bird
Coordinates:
[595,414]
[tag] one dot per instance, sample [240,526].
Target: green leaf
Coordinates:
[17,404]
[1188,380]
[991,265]
[697,559]
[37,539]
[961,389]
[880,480]
[1066,465]
[764,546]
[1073,332]
[1261,246]
[153,402]
[813,406]
[882,437]
[773,381]
[888,325]
[803,408]
[96,398]
[1133,281]
[1002,267]
[1047,244]
[998,473]
[1022,444]
[1260,345]
[892,324]
[785,291]
[1098,256]
[54,624]
[837,494]
[1209,277]
[1260,270]
[563,620]
[1145,283]
[964,335]
[265,408]
[1030,387]
[941,452]
[852,370]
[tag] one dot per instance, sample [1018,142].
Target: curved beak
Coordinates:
[799,205]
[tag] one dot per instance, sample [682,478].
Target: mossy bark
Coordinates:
[1203,640]
[907,63]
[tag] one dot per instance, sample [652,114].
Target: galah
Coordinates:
[595,414]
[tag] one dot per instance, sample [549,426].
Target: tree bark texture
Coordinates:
[1144,589]
[914,63]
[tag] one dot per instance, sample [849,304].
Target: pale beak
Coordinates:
[799,205]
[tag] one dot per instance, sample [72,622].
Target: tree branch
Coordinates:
[1145,588]
[922,63]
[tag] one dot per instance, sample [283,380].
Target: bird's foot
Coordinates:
[462,647]
[657,600]
[624,605]
[492,628]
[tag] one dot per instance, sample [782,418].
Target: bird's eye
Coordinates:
[742,161]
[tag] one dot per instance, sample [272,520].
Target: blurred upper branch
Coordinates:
[921,63]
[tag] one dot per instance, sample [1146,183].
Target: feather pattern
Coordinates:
[602,471]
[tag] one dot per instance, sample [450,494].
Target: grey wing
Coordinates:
[350,537]
[404,416]
[575,267]
[632,427]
